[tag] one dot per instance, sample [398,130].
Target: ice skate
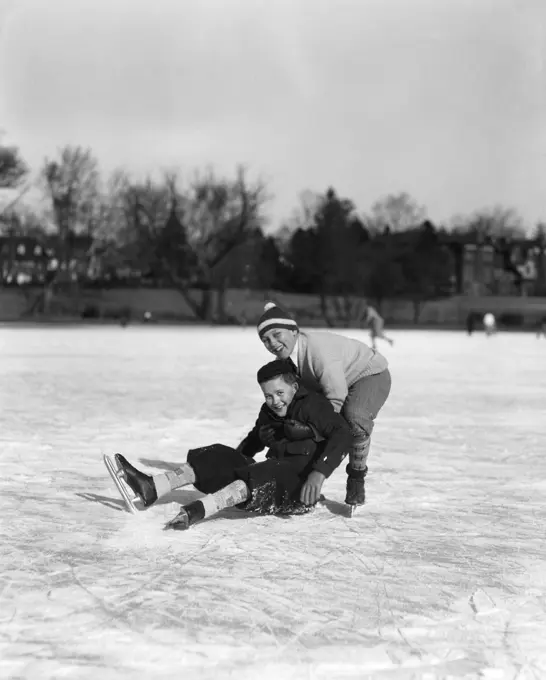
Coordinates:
[180,523]
[141,484]
[188,516]
[356,491]
[118,476]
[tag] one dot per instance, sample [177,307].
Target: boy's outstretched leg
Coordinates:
[389,340]
[270,487]
[118,477]
[231,495]
[148,488]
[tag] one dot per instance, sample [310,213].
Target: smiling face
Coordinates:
[280,342]
[278,393]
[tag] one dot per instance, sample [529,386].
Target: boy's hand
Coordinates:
[294,430]
[310,492]
[267,435]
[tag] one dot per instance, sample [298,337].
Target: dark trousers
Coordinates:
[274,484]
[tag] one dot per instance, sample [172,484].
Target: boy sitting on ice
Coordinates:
[288,481]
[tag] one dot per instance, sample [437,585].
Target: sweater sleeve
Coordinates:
[335,430]
[333,382]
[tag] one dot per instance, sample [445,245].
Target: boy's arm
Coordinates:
[295,430]
[333,382]
[301,447]
[301,438]
[335,430]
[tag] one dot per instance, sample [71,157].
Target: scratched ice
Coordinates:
[442,575]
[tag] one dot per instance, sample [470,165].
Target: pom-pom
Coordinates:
[269,305]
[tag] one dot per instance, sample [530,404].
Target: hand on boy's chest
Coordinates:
[272,426]
[276,424]
[272,431]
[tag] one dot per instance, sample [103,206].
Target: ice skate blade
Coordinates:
[352,509]
[118,479]
[176,526]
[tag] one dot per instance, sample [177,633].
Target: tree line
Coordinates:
[210,233]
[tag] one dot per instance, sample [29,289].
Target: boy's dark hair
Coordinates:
[275,369]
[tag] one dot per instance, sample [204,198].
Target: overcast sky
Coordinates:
[444,99]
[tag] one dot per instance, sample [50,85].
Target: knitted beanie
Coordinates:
[274,369]
[275,317]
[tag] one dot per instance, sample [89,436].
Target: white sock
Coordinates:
[168,481]
[230,495]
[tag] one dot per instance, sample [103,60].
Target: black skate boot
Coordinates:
[141,484]
[356,492]
[188,516]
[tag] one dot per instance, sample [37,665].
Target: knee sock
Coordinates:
[230,495]
[358,457]
[173,479]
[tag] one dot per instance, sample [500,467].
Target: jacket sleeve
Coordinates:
[335,430]
[252,444]
[301,447]
[333,381]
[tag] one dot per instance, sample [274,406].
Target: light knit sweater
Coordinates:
[331,363]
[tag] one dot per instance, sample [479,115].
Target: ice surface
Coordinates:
[441,575]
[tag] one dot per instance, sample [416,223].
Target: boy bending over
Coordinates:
[306,441]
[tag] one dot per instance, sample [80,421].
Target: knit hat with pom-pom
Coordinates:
[275,317]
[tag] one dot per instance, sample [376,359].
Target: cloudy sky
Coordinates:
[444,99]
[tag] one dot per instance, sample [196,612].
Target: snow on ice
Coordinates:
[441,575]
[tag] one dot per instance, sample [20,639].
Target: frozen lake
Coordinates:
[441,575]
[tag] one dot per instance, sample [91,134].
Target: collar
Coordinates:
[294,355]
[300,393]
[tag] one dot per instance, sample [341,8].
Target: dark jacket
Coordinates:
[311,409]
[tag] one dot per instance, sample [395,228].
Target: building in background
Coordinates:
[503,268]
[27,260]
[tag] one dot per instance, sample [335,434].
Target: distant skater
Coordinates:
[489,324]
[376,324]
[470,321]
[541,327]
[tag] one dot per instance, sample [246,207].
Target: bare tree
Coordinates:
[303,217]
[13,169]
[194,236]
[71,183]
[146,226]
[300,222]
[539,233]
[13,172]
[221,215]
[25,221]
[397,212]
[490,223]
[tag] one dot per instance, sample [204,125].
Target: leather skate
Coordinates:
[356,491]
[140,483]
[188,516]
